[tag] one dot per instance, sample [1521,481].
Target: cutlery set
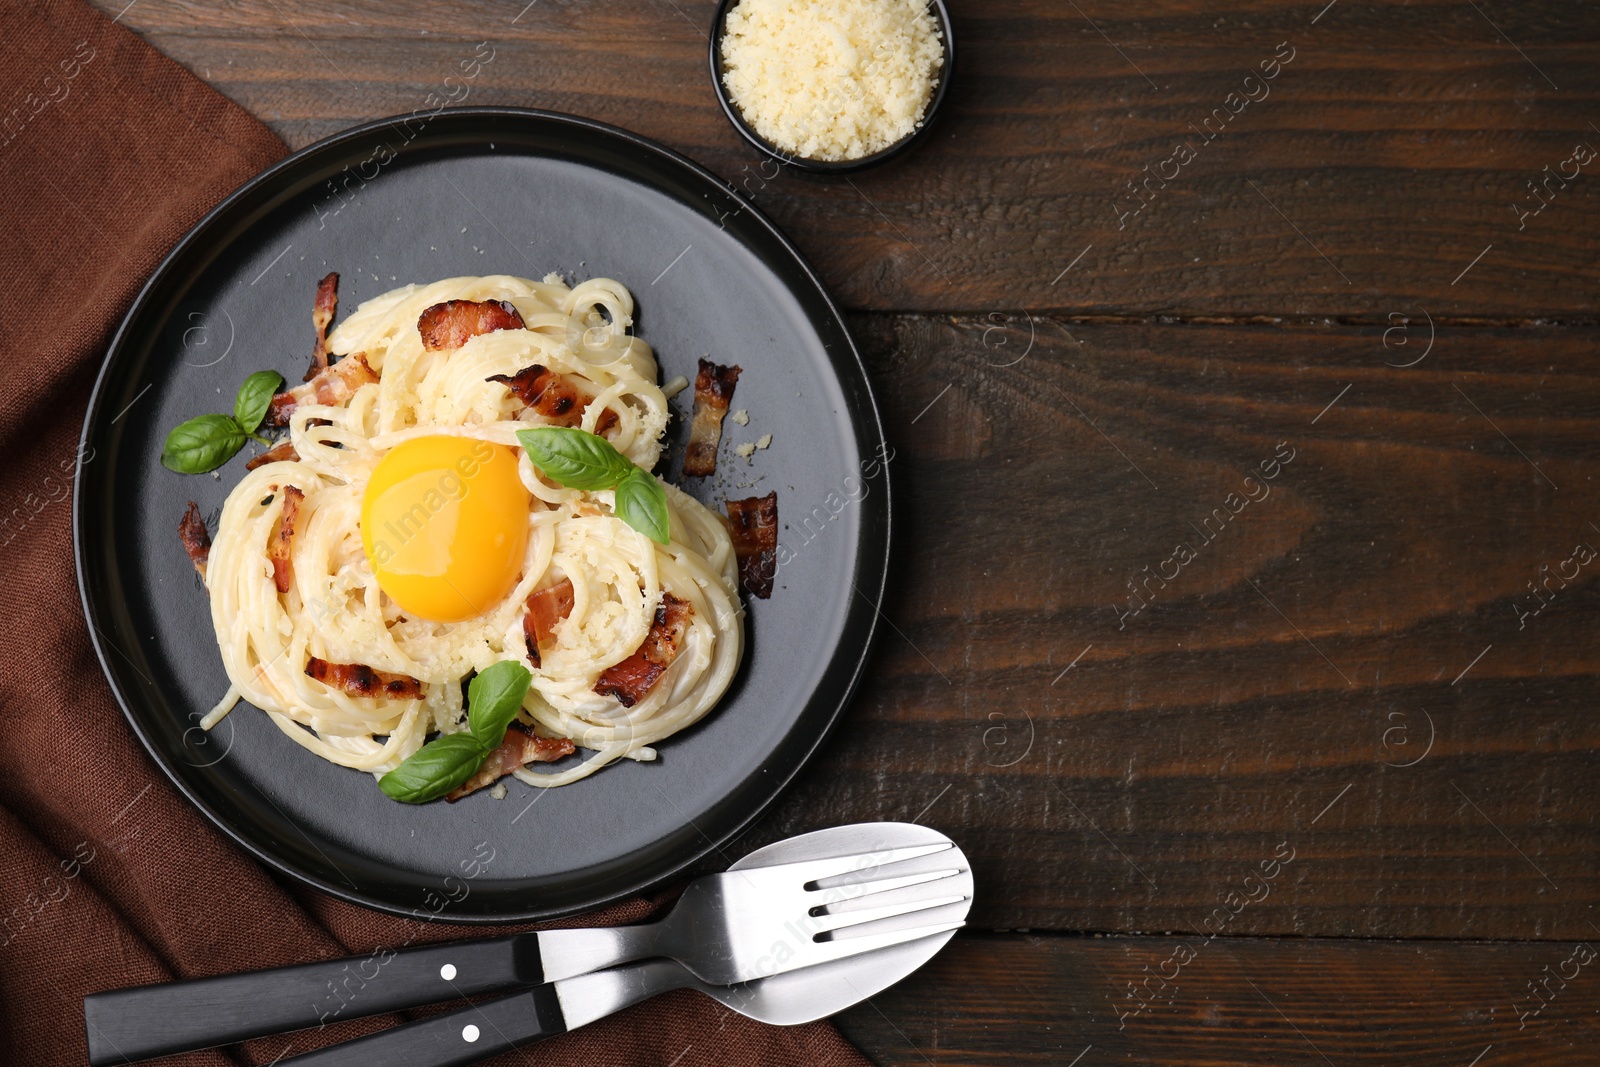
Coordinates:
[791,933]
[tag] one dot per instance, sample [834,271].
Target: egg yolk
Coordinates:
[444,523]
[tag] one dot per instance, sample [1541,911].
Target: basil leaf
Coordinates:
[642,504]
[255,395]
[578,459]
[493,700]
[575,458]
[434,769]
[203,443]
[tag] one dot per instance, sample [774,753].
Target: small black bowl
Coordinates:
[830,166]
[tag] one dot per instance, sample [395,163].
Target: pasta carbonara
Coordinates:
[307,630]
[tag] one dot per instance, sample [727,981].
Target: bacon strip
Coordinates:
[753,524]
[332,386]
[283,450]
[518,749]
[546,607]
[455,322]
[713,389]
[632,679]
[195,537]
[554,396]
[359,680]
[282,543]
[322,313]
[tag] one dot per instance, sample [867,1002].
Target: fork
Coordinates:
[743,925]
[727,928]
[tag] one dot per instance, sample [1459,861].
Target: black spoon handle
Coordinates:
[160,1020]
[453,1040]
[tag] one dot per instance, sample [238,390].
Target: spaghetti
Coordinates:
[329,607]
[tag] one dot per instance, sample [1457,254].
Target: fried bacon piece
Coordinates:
[518,749]
[713,389]
[321,316]
[195,537]
[554,396]
[282,542]
[545,391]
[334,385]
[455,322]
[546,607]
[359,680]
[753,523]
[283,450]
[632,679]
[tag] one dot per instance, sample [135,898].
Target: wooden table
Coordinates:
[1317,786]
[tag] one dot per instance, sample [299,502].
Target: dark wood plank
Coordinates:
[1067,1001]
[1342,718]
[1382,161]
[1303,682]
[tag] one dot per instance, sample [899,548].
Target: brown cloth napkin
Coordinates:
[108,878]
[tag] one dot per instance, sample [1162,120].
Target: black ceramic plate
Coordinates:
[486,191]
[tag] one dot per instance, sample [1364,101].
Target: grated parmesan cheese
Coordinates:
[831,79]
[747,450]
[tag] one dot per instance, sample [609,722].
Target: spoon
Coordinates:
[799,996]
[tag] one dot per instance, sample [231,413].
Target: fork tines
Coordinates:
[832,922]
[813,871]
[836,948]
[847,896]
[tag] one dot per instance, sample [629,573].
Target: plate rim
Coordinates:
[873,553]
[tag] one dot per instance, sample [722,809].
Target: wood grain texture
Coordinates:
[1382,159]
[1341,717]
[1125,773]
[1066,1002]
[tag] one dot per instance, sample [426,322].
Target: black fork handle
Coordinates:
[125,1025]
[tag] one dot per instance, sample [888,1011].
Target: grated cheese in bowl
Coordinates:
[832,80]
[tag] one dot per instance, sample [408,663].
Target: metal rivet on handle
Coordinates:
[448,972]
[469,1033]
